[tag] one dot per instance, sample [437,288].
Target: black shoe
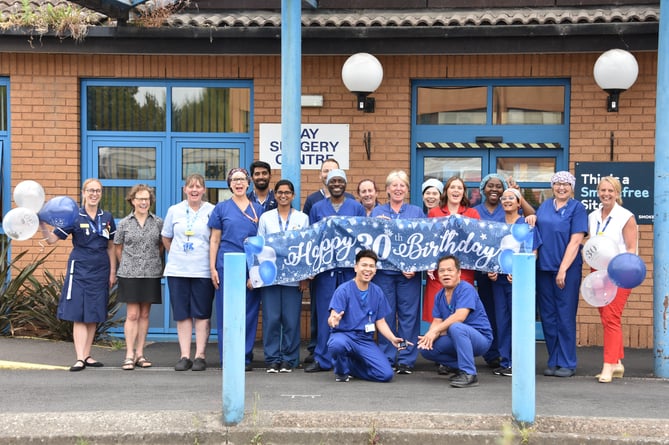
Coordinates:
[446,370]
[199,364]
[404,369]
[315,367]
[550,371]
[92,364]
[502,371]
[309,358]
[464,380]
[273,368]
[184,364]
[76,367]
[456,375]
[248,367]
[342,377]
[564,372]
[286,367]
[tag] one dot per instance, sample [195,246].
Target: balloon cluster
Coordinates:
[614,270]
[22,222]
[264,272]
[511,244]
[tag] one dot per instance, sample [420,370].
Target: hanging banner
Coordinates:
[636,179]
[409,245]
[318,142]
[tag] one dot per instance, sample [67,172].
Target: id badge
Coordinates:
[370,327]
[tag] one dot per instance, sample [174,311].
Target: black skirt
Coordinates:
[139,290]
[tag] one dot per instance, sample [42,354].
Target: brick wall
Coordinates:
[45,115]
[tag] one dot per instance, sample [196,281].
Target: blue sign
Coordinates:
[636,179]
[409,245]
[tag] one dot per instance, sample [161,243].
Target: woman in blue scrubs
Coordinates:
[564,223]
[231,222]
[401,288]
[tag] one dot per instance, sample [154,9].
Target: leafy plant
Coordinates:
[156,14]
[12,288]
[62,18]
[38,316]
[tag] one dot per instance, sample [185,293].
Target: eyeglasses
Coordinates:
[561,184]
[238,179]
[93,191]
[282,193]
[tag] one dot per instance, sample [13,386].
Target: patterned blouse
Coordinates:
[140,257]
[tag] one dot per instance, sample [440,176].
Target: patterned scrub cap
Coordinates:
[565,177]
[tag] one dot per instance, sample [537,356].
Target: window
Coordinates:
[472,127]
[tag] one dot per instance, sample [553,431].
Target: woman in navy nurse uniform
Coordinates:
[231,222]
[91,271]
[564,223]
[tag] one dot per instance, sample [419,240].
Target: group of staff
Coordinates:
[196,235]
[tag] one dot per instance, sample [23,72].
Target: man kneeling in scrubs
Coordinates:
[357,310]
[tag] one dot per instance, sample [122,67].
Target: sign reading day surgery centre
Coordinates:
[636,179]
[318,142]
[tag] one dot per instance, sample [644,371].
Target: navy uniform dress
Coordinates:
[85,294]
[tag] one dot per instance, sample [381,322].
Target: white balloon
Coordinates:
[598,289]
[29,194]
[20,223]
[254,276]
[267,254]
[509,242]
[599,251]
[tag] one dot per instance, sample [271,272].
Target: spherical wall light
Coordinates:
[362,74]
[615,71]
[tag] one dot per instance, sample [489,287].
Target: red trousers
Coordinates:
[611,317]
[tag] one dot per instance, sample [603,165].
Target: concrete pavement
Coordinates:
[42,403]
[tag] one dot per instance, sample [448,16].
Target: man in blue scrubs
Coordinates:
[357,310]
[460,329]
[325,283]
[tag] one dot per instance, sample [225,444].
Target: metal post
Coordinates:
[291,84]
[234,333]
[661,225]
[523,352]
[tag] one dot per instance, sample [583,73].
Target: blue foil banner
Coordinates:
[409,245]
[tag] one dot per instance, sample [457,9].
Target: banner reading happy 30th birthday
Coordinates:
[409,245]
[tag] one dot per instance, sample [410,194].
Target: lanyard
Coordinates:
[290,212]
[255,215]
[606,224]
[189,221]
[99,229]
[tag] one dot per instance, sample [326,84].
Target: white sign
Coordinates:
[318,142]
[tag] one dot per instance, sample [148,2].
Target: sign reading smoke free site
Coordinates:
[318,142]
[636,179]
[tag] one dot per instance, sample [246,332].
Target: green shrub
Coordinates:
[38,317]
[28,306]
[13,288]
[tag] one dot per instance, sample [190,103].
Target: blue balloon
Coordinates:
[627,270]
[506,260]
[254,244]
[267,271]
[60,211]
[521,232]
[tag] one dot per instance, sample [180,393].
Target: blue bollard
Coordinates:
[523,352]
[234,333]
